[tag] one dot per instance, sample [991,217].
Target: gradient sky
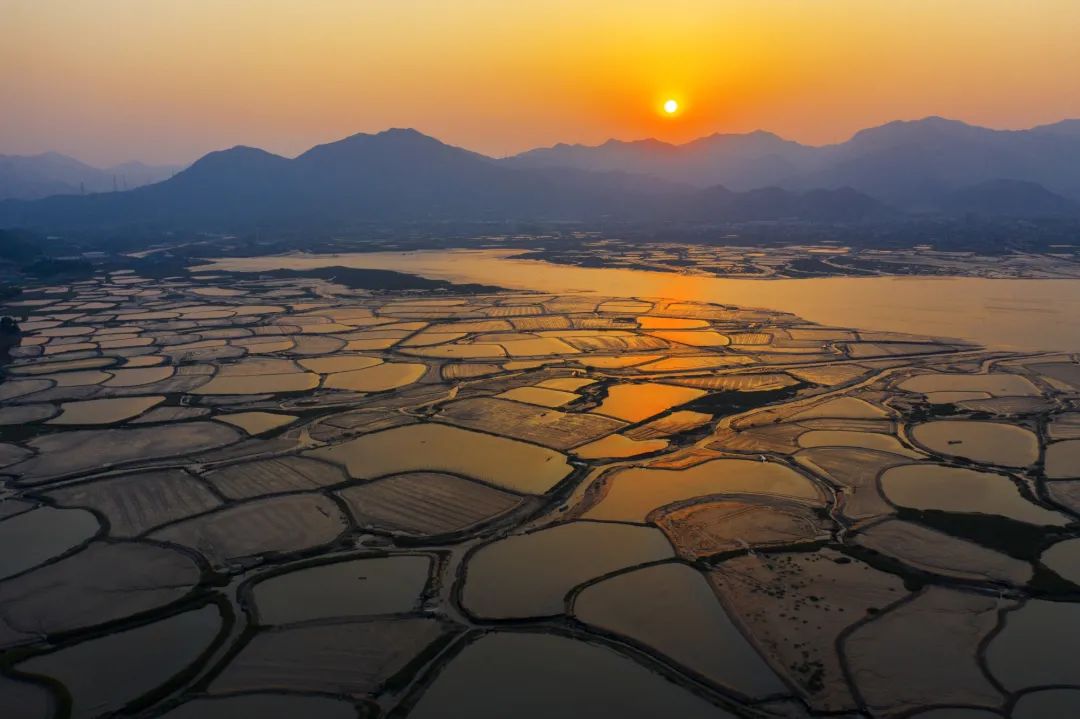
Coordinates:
[168,80]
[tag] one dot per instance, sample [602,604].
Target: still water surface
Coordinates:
[998,313]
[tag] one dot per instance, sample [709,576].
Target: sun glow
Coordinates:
[671,107]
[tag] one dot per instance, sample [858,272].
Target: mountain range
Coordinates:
[30,177]
[910,164]
[402,176]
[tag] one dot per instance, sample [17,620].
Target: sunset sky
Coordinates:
[168,80]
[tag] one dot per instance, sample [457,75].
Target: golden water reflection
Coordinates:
[1022,314]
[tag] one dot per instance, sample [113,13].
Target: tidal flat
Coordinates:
[279,494]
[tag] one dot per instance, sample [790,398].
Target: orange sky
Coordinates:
[168,80]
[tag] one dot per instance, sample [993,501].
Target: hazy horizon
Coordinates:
[293,154]
[125,80]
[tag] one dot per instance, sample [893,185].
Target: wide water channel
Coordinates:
[996,313]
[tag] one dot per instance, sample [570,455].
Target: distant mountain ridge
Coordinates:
[740,162]
[910,164]
[1008,198]
[29,177]
[402,176]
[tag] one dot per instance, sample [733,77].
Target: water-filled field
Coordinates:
[239,496]
[1018,314]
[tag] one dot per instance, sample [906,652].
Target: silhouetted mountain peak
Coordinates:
[393,136]
[932,164]
[404,132]
[238,156]
[645,143]
[239,151]
[397,145]
[754,136]
[900,131]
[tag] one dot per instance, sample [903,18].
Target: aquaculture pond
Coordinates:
[231,496]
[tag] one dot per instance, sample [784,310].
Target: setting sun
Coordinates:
[670,107]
